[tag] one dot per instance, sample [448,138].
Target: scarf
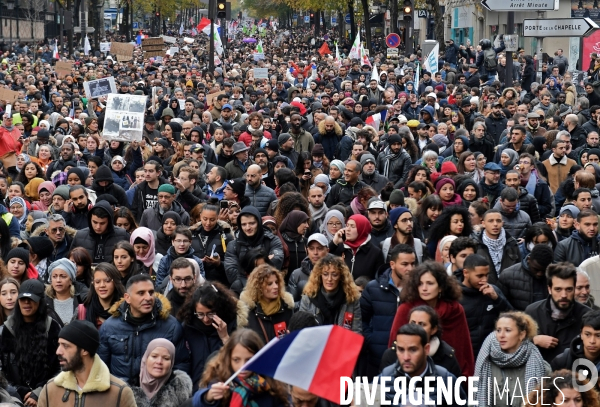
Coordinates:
[147,236]
[270,307]
[490,352]
[329,304]
[363,227]
[244,388]
[357,207]
[150,384]
[290,224]
[332,213]
[495,248]
[95,310]
[558,313]
[389,157]
[531,183]
[317,213]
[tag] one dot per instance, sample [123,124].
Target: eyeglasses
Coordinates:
[181,241]
[524,162]
[57,230]
[105,281]
[202,315]
[334,224]
[333,276]
[187,280]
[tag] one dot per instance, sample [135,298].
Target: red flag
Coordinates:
[324,49]
[205,22]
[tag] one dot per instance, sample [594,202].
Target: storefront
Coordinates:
[462,24]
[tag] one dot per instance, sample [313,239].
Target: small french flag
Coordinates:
[376,119]
[323,354]
[55,53]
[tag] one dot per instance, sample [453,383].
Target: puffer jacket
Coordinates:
[298,280]
[378,305]
[529,205]
[165,263]
[566,359]
[296,252]
[520,287]
[515,223]
[307,305]
[263,324]
[122,344]
[365,262]
[153,219]
[89,240]
[260,197]
[218,238]
[575,249]
[175,392]
[510,256]
[105,174]
[482,312]
[237,249]
[375,180]
[342,192]
[395,169]
[62,249]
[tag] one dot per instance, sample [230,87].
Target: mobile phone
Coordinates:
[224,204]
[344,235]
[172,179]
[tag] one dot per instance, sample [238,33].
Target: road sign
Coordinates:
[392,40]
[518,5]
[87,29]
[135,24]
[392,53]
[307,19]
[333,20]
[559,27]
[295,16]
[347,19]
[422,13]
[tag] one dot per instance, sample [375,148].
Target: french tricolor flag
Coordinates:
[323,354]
[376,119]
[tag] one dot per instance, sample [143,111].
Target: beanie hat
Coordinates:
[318,150]
[448,167]
[19,253]
[261,151]
[367,158]
[168,188]
[82,334]
[465,142]
[396,213]
[339,164]
[103,173]
[66,265]
[443,181]
[77,171]
[397,197]
[440,140]
[41,245]
[239,187]
[283,137]
[394,138]
[172,215]
[63,191]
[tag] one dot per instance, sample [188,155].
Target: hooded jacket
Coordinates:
[566,359]
[100,247]
[152,218]
[263,324]
[62,249]
[122,344]
[298,280]
[164,266]
[105,174]
[576,249]
[218,238]
[520,287]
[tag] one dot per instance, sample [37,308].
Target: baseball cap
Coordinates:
[227,106]
[491,167]
[319,238]
[32,289]
[196,147]
[569,209]
[377,204]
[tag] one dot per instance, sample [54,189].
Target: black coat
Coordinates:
[366,262]
[564,330]
[342,192]
[445,357]
[571,354]
[217,238]
[575,249]
[267,326]
[510,256]
[520,287]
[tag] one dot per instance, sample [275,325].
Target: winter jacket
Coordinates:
[566,359]
[482,312]
[218,238]
[62,249]
[260,197]
[365,262]
[484,146]
[495,126]
[510,256]
[139,200]
[101,390]
[307,305]
[104,174]
[564,329]
[298,280]
[342,192]
[295,253]
[515,223]
[270,325]
[303,141]
[173,393]
[379,236]
[235,170]
[123,344]
[153,219]
[529,205]
[520,287]
[37,378]
[578,136]
[397,168]
[576,249]
[92,242]
[164,267]
[378,305]
[375,180]
[237,249]
[330,140]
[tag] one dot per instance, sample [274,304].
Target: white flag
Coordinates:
[181,29]
[355,51]
[86,46]
[375,74]
[431,62]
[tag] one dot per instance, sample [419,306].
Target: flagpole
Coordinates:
[211,51]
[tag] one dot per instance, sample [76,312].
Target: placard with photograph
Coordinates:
[100,87]
[124,118]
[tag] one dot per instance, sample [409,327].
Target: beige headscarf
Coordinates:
[150,384]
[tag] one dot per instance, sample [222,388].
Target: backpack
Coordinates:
[489,60]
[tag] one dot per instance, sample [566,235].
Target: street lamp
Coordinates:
[10,5]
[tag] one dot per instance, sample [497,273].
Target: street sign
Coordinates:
[295,16]
[347,19]
[392,40]
[135,24]
[518,5]
[559,27]
[392,53]
[333,20]
[307,19]
[422,13]
[87,29]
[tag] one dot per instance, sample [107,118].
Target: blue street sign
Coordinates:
[347,19]
[295,16]
[333,20]
[135,24]
[307,19]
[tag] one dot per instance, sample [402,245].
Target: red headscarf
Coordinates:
[363,227]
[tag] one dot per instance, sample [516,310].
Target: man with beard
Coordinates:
[78,208]
[369,175]
[583,243]
[490,184]
[559,316]
[260,195]
[303,140]
[557,166]
[67,154]
[183,279]
[393,162]
[286,147]
[152,218]
[578,133]
[518,135]
[561,98]
[316,200]
[402,222]
[226,154]
[496,122]
[77,345]
[261,158]
[377,214]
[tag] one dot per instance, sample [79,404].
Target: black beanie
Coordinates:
[172,215]
[41,245]
[103,173]
[19,253]
[83,334]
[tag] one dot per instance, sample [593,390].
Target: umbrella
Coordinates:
[249,40]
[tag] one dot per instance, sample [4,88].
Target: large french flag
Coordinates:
[313,359]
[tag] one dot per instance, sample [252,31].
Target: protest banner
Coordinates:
[153,47]
[124,118]
[100,87]
[63,68]
[122,50]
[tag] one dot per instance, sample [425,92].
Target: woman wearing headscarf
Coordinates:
[170,221]
[539,142]
[508,159]
[142,240]
[336,171]
[45,191]
[333,222]
[292,229]
[18,208]
[159,385]
[31,189]
[22,160]
[322,181]
[353,244]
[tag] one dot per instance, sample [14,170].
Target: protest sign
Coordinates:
[153,47]
[169,40]
[63,69]
[9,95]
[105,47]
[122,50]
[261,73]
[124,118]
[100,87]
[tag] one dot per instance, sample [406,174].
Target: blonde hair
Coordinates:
[523,321]
[258,278]
[314,284]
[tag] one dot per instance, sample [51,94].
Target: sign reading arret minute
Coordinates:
[559,27]
[520,5]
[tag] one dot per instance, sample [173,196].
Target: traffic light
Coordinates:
[408,9]
[157,14]
[312,18]
[221,9]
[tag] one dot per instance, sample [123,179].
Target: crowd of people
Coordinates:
[453,222]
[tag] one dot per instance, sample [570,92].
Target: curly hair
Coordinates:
[449,288]
[289,202]
[314,284]
[414,170]
[258,279]
[219,368]
[560,379]
[39,173]
[179,154]
[441,226]
[523,321]
[3,282]
[213,295]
